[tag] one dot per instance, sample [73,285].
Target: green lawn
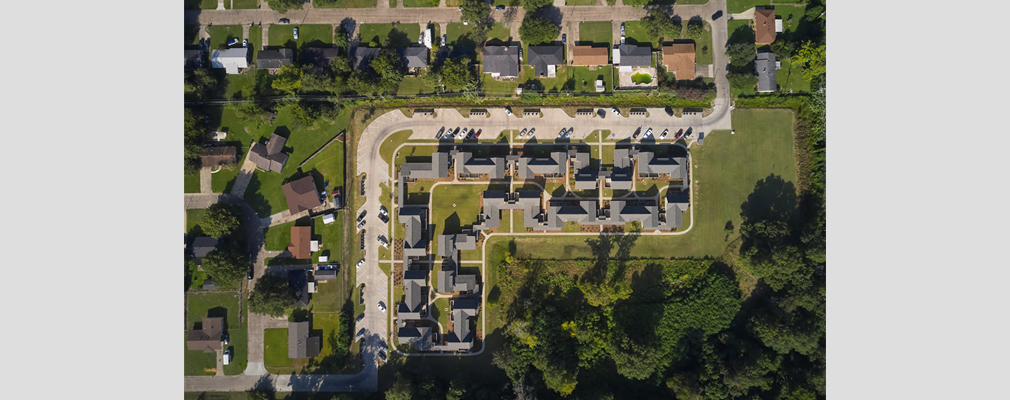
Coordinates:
[394,141]
[222,34]
[217,304]
[585,79]
[580,2]
[244,4]
[275,347]
[636,34]
[466,198]
[762,146]
[193,218]
[197,362]
[420,3]
[203,4]
[308,36]
[790,77]
[703,46]
[440,307]
[455,36]
[500,88]
[390,35]
[264,192]
[739,6]
[596,33]
[191,183]
[328,323]
[238,342]
[255,40]
[344,4]
[328,167]
[412,85]
[419,153]
[278,236]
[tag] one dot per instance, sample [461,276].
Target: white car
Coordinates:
[382,307]
[522,133]
[361,225]
[383,241]
[616,111]
[648,133]
[562,133]
[360,263]
[245,42]
[420,39]
[508,111]
[443,40]
[663,135]
[462,133]
[530,133]
[383,211]
[296,33]
[622,28]
[622,39]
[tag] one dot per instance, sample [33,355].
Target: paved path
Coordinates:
[245,174]
[748,14]
[205,186]
[200,200]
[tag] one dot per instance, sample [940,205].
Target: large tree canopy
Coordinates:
[220,220]
[227,265]
[271,296]
[537,30]
[289,79]
[533,5]
[813,59]
[659,24]
[476,12]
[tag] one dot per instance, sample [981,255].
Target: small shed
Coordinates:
[208,284]
[329,218]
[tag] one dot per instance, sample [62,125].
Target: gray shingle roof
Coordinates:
[542,56]
[414,57]
[413,301]
[765,66]
[363,56]
[496,200]
[649,164]
[548,166]
[321,57]
[203,245]
[503,60]
[635,56]
[299,284]
[300,345]
[274,58]
[419,336]
[466,164]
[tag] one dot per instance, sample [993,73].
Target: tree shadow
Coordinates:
[255,199]
[743,34]
[397,38]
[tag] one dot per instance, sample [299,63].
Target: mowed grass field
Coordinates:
[596,33]
[728,167]
[312,35]
[398,35]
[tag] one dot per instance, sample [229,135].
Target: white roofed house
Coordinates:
[232,60]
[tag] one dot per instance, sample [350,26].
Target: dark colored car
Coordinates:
[637,131]
[362,186]
[669,111]
[477,135]
[499,8]
[677,136]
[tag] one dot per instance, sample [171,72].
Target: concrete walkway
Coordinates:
[245,174]
[205,181]
[749,14]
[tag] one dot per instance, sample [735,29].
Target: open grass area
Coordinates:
[598,33]
[440,307]
[703,45]
[275,347]
[455,207]
[308,36]
[729,166]
[419,153]
[739,6]
[278,236]
[238,342]
[389,35]
[636,34]
[580,2]
[264,192]
[344,4]
[420,3]
[394,141]
[214,304]
[327,324]
[193,218]
[457,36]
[492,86]
[412,85]
[243,4]
[222,34]
[191,183]
[791,77]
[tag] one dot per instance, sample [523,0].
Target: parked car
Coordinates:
[677,135]
[245,42]
[522,133]
[562,133]
[622,28]
[382,210]
[443,40]
[622,39]
[283,21]
[360,317]
[420,39]
[224,338]
[227,357]
[384,218]
[648,133]
[382,307]
[361,216]
[477,135]
[508,110]
[361,298]
[296,33]
[669,111]
[382,356]
[663,135]
[688,133]
[383,241]
[360,263]
[499,8]
[530,133]
[564,38]
[616,111]
[464,133]
[361,224]
[249,275]
[440,131]
[637,131]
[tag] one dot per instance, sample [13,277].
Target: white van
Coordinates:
[227,357]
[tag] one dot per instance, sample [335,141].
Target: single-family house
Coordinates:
[215,156]
[203,245]
[300,245]
[590,56]
[301,195]
[208,337]
[545,60]
[629,55]
[274,59]
[414,57]
[501,61]
[232,60]
[679,59]
[299,281]
[765,66]
[300,344]
[269,156]
[363,57]
[320,57]
[764,26]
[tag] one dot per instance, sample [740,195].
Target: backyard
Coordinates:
[455,207]
[308,36]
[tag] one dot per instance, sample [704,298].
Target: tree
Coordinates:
[457,74]
[537,30]
[401,390]
[221,219]
[195,133]
[742,81]
[226,265]
[741,53]
[314,80]
[695,29]
[340,39]
[457,390]
[658,24]
[389,66]
[476,12]
[533,5]
[282,6]
[271,296]
[304,114]
[341,65]
[812,58]
[288,79]
[198,83]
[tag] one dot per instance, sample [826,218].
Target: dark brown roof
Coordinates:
[218,155]
[764,26]
[300,238]
[269,157]
[208,337]
[679,59]
[301,195]
[588,55]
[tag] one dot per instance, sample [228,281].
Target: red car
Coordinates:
[635,136]
[478,133]
[677,136]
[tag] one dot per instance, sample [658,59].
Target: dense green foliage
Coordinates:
[288,79]
[384,75]
[457,75]
[813,60]
[741,53]
[533,5]
[227,265]
[221,219]
[536,30]
[282,6]
[695,29]
[659,24]
[742,80]
[198,83]
[195,134]
[271,296]
[476,13]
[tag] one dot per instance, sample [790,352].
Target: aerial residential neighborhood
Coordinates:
[486,200]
